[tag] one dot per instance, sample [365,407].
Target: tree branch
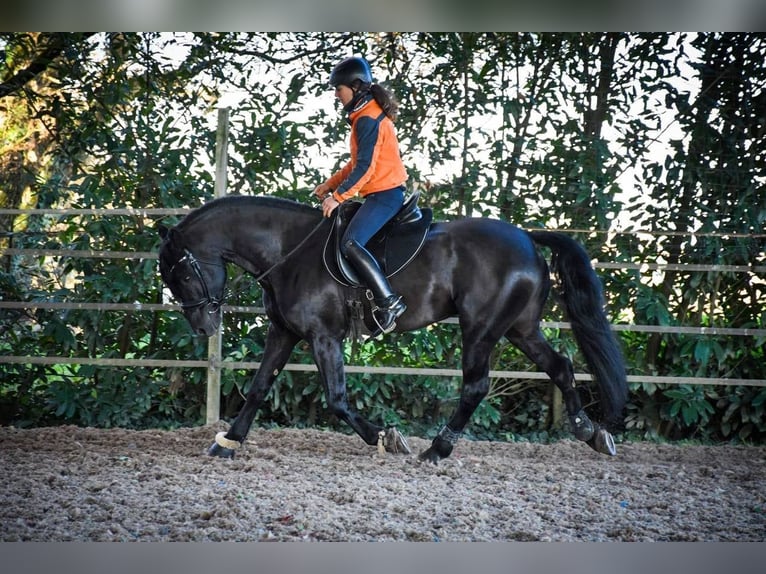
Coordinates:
[56,43]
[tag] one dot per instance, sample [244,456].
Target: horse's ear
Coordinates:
[163,231]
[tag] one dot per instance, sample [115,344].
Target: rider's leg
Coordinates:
[390,305]
[374,213]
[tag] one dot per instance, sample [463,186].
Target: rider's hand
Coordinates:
[322,190]
[328,205]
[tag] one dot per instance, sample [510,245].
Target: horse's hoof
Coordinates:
[582,427]
[220,451]
[603,442]
[429,455]
[395,442]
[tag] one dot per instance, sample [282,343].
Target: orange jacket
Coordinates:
[375,163]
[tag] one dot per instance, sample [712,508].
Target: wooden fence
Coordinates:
[214,364]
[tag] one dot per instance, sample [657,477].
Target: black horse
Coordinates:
[486,272]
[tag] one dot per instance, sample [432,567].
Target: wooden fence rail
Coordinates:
[687,267]
[407,371]
[138,306]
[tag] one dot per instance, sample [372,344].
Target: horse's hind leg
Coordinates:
[560,370]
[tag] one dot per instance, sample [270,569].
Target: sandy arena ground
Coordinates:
[76,484]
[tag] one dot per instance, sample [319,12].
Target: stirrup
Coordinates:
[393,306]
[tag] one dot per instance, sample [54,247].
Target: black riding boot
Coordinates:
[389,304]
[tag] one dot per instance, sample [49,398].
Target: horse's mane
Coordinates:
[240,202]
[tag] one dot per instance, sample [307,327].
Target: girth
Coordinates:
[394,246]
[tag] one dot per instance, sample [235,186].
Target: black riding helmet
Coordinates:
[349,70]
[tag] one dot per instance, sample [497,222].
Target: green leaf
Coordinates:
[702,351]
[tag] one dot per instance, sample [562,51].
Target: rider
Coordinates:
[375,172]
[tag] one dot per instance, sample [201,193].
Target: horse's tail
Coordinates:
[584,304]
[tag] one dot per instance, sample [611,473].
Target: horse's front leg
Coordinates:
[328,355]
[279,344]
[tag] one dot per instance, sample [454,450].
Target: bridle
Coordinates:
[213,303]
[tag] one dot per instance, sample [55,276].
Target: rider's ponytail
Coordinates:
[386,100]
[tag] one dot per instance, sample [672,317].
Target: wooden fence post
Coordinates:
[213,408]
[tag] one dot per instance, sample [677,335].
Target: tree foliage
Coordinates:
[604,134]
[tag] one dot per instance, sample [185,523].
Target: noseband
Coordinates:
[213,303]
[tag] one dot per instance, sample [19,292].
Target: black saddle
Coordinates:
[394,246]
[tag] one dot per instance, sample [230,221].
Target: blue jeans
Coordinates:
[376,210]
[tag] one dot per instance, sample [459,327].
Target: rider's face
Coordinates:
[344,94]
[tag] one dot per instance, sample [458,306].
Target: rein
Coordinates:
[291,253]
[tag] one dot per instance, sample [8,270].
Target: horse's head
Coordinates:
[197,280]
